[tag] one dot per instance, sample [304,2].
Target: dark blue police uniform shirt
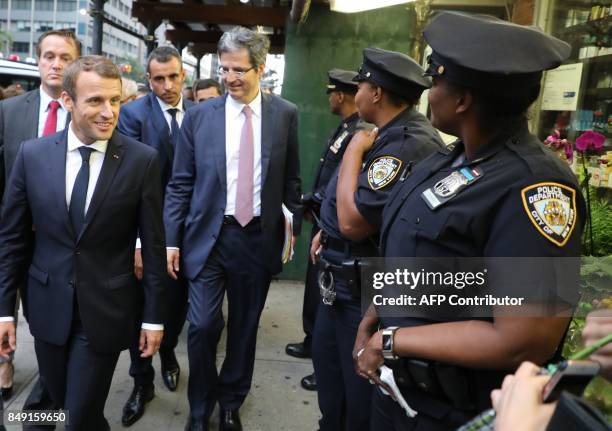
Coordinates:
[490,217]
[334,150]
[406,139]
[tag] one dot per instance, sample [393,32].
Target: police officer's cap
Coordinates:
[485,52]
[341,80]
[393,71]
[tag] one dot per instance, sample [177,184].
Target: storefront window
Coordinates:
[577,97]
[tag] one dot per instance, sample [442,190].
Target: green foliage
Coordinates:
[6,40]
[601,215]
[596,290]
[138,72]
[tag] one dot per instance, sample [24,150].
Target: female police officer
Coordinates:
[389,85]
[487,198]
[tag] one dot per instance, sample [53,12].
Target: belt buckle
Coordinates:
[326,287]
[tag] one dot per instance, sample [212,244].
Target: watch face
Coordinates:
[386,342]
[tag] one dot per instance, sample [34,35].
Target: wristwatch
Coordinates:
[387,343]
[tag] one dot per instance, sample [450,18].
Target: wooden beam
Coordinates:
[213,36]
[211,48]
[207,44]
[212,14]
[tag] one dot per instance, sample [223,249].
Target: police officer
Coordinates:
[486,73]
[390,84]
[341,90]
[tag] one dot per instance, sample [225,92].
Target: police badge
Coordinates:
[335,147]
[445,189]
[551,207]
[382,171]
[449,185]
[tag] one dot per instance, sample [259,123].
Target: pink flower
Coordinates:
[590,141]
[553,138]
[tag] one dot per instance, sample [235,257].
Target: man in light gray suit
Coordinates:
[32,115]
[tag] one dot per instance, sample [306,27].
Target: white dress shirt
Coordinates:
[43,112]
[74,162]
[179,119]
[179,115]
[73,165]
[234,120]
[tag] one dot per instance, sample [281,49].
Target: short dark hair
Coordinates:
[65,33]
[203,84]
[394,98]
[143,88]
[494,109]
[163,54]
[89,63]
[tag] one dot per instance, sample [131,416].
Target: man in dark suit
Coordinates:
[155,120]
[35,114]
[235,166]
[88,192]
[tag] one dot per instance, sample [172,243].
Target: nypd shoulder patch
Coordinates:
[551,207]
[382,171]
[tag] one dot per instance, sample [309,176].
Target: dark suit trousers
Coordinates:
[78,379]
[311,297]
[141,369]
[236,266]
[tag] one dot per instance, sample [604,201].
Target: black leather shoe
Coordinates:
[309,382]
[194,424]
[170,370]
[229,420]
[297,350]
[135,405]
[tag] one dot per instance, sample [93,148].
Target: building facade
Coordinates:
[25,20]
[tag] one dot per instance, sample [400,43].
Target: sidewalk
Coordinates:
[276,402]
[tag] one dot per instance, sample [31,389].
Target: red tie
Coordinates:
[51,123]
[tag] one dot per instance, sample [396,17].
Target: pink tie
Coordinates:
[51,123]
[244,189]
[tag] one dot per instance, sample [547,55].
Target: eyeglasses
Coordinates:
[238,72]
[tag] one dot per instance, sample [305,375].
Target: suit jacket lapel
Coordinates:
[161,126]
[32,111]
[268,110]
[112,160]
[57,166]
[218,121]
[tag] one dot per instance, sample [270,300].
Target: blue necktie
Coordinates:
[174,127]
[79,192]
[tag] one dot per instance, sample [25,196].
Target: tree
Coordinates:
[133,69]
[6,40]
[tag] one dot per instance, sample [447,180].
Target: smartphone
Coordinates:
[570,376]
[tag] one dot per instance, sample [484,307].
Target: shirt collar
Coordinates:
[235,108]
[164,106]
[45,99]
[74,143]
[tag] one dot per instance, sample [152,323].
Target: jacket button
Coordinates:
[417,220]
[77,252]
